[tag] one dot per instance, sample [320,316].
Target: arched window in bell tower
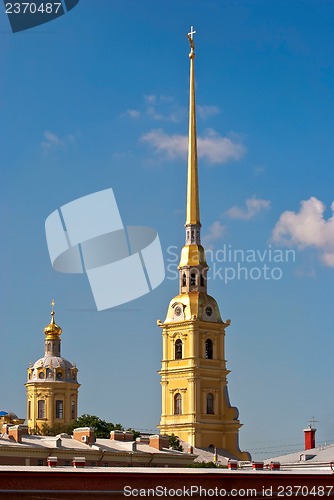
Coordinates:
[193,279]
[209,404]
[177,404]
[208,349]
[184,279]
[178,349]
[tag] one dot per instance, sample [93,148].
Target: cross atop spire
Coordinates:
[190,36]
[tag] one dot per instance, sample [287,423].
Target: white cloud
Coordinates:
[218,149]
[207,111]
[253,207]
[259,170]
[214,233]
[133,113]
[215,148]
[164,108]
[308,228]
[171,145]
[150,99]
[158,108]
[53,141]
[153,113]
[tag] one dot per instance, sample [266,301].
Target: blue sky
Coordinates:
[98,98]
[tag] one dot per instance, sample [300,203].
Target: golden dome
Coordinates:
[52,330]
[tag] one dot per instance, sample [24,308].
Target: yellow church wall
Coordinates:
[50,392]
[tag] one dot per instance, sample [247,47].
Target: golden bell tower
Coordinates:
[52,386]
[195,401]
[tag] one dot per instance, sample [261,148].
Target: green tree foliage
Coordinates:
[135,433]
[174,443]
[206,465]
[46,430]
[101,428]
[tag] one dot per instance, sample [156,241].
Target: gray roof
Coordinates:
[321,454]
[69,443]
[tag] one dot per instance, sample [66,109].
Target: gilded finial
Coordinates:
[53,305]
[52,329]
[190,36]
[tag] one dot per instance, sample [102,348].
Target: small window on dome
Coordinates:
[41,375]
[59,375]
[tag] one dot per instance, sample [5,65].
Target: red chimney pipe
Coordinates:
[309,438]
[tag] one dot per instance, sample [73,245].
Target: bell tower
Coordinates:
[195,401]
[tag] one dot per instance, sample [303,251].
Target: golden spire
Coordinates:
[52,330]
[192,253]
[193,216]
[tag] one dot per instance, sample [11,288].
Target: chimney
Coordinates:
[128,436]
[117,435]
[232,464]
[159,442]
[79,462]
[84,435]
[52,461]
[15,433]
[275,465]
[5,428]
[309,438]
[257,465]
